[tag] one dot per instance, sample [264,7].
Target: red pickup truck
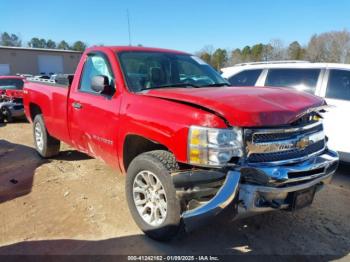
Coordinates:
[189,144]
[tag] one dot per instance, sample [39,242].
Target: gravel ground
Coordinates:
[74,204]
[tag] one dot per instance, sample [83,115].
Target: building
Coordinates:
[36,61]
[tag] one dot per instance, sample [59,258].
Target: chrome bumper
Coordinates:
[269,191]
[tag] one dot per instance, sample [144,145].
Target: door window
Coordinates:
[95,65]
[245,78]
[300,79]
[338,85]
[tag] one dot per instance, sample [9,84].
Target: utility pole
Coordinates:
[129,31]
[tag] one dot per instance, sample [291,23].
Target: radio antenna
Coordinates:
[129,31]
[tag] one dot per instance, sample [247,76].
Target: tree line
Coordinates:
[9,39]
[331,47]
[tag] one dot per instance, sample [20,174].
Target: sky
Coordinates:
[186,25]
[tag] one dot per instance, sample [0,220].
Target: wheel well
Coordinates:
[34,110]
[135,145]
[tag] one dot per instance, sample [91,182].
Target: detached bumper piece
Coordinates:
[201,215]
[256,189]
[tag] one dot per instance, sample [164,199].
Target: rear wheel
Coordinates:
[46,145]
[151,194]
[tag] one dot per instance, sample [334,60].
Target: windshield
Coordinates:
[11,83]
[148,70]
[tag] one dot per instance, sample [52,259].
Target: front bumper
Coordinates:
[258,189]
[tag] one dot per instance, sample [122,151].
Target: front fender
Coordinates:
[162,121]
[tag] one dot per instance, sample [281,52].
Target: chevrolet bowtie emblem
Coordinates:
[303,143]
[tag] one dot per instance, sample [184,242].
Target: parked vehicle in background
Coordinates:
[331,81]
[42,77]
[53,77]
[190,144]
[25,75]
[11,98]
[11,82]
[11,106]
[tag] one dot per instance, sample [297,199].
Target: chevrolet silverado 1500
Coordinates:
[189,144]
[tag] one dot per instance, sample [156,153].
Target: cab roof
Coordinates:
[137,49]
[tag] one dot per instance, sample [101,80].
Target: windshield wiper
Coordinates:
[172,85]
[216,85]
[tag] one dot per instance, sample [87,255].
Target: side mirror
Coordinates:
[100,84]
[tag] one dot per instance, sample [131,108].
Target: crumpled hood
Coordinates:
[245,106]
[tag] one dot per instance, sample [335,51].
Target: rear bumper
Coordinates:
[258,189]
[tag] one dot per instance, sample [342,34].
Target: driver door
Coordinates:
[94,117]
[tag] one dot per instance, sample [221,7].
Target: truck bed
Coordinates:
[52,98]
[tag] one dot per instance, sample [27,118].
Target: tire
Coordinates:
[7,114]
[47,146]
[160,164]
[2,119]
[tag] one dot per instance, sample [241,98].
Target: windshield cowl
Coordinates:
[184,85]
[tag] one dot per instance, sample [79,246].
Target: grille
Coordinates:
[271,137]
[286,155]
[272,145]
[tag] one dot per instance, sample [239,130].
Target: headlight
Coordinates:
[213,146]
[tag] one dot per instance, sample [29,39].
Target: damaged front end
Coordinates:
[11,105]
[281,169]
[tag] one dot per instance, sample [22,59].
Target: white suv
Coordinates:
[331,81]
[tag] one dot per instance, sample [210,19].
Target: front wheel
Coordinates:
[151,194]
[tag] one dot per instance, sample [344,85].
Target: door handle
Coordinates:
[77,105]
